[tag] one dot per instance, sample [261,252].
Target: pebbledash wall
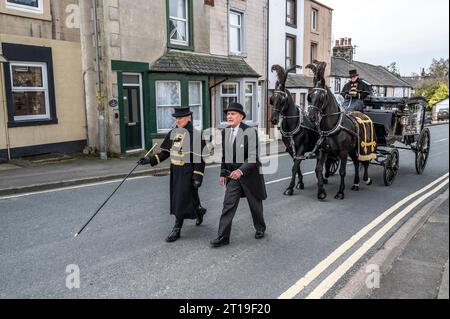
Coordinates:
[42,38]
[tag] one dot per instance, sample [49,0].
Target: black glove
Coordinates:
[144,161]
[196,184]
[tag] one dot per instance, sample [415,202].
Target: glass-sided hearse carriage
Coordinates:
[399,121]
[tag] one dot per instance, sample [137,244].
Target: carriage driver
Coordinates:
[355,92]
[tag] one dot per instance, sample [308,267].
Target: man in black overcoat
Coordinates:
[241,173]
[184,146]
[355,92]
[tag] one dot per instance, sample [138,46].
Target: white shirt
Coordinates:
[233,135]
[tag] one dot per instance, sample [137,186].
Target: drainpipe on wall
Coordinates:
[101,110]
[3,105]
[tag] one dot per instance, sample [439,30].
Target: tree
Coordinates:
[434,92]
[393,69]
[440,94]
[439,69]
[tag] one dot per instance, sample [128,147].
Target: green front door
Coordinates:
[132,118]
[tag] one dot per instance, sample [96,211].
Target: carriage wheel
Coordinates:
[334,167]
[391,166]
[423,151]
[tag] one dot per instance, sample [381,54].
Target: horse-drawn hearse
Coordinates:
[399,121]
[333,136]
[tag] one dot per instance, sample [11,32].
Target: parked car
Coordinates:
[428,118]
[443,115]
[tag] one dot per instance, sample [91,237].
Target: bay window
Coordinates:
[168,96]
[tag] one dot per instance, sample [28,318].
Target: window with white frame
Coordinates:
[29,86]
[249,100]
[382,91]
[178,22]
[314,19]
[32,6]
[291,12]
[229,93]
[168,96]
[337,85]
[196,103]
[291,51]
[236,32]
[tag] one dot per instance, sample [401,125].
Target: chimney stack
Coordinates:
[344,49]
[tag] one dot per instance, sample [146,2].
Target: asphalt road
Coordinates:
[123,253]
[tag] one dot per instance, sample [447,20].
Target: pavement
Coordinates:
[421,271]
[312,249]
[412,264]
[56,171]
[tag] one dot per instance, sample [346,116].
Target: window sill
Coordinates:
[291,25]
[238,55]
[180,47]
[32,123]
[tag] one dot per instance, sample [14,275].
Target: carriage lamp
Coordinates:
[404,120]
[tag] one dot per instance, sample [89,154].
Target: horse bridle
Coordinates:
[321,116]
[300,117]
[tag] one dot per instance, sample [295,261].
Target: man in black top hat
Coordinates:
[355,92]
[184,146]
[240,172]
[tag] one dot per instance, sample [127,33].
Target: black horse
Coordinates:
[338,133]
[298,132]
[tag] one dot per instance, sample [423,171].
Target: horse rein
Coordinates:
[300,117]
[338,126]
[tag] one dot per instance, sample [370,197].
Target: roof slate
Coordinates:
[299,81]
[375,75]
[203,64]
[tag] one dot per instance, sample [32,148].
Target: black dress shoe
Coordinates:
[259,235]
[200,214]
[219,242]
[174,235]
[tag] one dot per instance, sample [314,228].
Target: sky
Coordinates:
[409,32]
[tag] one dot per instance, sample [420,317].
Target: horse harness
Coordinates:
[325,134]
[298,129]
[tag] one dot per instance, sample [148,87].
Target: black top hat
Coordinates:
[182,111]
[237,108]
[353,73]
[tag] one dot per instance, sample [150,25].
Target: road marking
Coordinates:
[111,182]
[332,279]
[438,154]
[443,140]
[287,178]
[327,262]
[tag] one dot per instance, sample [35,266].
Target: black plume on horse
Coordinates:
[338,132]
[298,132]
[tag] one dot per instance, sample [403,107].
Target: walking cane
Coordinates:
[98,210]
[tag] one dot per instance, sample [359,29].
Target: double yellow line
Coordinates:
[333,278]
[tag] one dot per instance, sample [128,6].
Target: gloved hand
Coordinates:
[144,161]
[196,184]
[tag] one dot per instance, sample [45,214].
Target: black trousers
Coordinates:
[178,221]
[230,205]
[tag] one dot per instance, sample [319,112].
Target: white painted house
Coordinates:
[286,33]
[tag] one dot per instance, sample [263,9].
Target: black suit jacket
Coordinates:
[244,156]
